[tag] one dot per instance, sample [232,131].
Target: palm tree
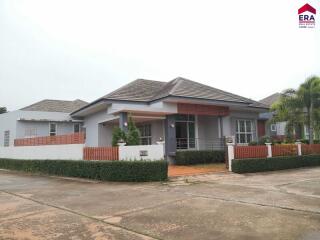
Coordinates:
[299,107]
[289,109]
[309,95]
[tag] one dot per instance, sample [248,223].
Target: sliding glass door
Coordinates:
[185,131]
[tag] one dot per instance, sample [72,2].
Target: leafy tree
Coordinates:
[3,110]
[300,107]
[117,136]
[133,135]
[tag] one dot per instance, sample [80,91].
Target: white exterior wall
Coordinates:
[154,152]
[281,128]
[8,121]
[53,152]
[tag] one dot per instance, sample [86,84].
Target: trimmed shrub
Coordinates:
[275,163]
[122,171]
[199,157]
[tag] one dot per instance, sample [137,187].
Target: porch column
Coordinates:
[170,136]
[123,121]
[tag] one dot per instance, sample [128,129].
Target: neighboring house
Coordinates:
[184,113]
[44,118]
[276,130]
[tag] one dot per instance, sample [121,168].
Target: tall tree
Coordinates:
[3,110]
[133,134]
[309,95]
[300,107]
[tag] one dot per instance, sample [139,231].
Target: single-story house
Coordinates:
[277,130]
[44,118]
[184,113]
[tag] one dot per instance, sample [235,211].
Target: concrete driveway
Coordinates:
[277,205]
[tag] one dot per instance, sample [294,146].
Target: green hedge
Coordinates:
[128,171]
[274,163]
[199,157]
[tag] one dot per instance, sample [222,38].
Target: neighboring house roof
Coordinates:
[48,105]
[146,91]
[271,99]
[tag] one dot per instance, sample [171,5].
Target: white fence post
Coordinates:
[298,143]
[269,150]
[230,154]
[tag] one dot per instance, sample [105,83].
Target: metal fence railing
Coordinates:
[200,144]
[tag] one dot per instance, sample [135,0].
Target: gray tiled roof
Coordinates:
[138,90]
[48,105]
[149,90]
[271,99]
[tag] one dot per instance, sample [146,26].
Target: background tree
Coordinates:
[300,107]
[133,135]
[3,110]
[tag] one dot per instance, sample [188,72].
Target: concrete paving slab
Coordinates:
[201,218]
[276,205]
[56,224]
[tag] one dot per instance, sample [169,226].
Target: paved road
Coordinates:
[278,205]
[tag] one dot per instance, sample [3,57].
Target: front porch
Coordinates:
[180,132]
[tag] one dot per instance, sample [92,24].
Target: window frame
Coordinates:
[245,132]
[56,129]
[28,132]
[6,138]
[273,127]
[142,130]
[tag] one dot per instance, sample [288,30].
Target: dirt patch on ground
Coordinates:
[175,171]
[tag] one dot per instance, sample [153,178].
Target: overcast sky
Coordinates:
[85,49]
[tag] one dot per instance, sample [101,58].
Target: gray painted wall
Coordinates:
[10,121]
[93,125]
[208,132]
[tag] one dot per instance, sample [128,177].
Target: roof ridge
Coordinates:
[176,85]
[217,89]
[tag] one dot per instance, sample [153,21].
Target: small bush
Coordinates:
[199,157]
[275,163]
[128,171]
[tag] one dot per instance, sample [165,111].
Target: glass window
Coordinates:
[244,131]
[76,128]
[273,127]
[52,129]
[6,139]
[145,134]
[30,132]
